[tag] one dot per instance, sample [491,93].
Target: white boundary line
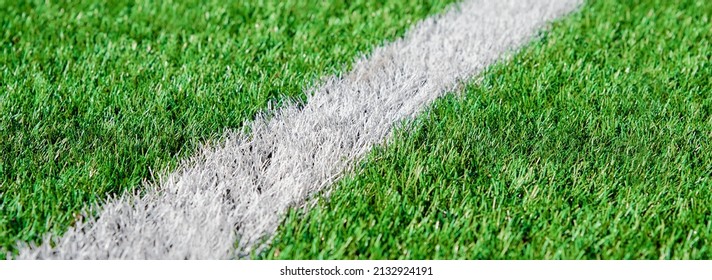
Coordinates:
[235,194]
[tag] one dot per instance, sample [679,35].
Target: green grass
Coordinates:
[94,95]
[594,142]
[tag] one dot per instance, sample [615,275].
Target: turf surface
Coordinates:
[95,96]
[594,142]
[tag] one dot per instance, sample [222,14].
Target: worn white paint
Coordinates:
[231,195]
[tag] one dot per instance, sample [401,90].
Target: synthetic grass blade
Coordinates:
[239,190]
[594,142]
[94,95]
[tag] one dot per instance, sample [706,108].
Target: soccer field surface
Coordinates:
[592,141]
[96,96]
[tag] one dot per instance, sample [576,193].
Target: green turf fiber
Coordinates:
[593,142]
[96,94]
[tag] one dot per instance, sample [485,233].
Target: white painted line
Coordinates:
[229,197]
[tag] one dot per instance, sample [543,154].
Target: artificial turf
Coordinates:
[97,96]
[594,142]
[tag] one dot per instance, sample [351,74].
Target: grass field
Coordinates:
[95,96]
[593,142]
